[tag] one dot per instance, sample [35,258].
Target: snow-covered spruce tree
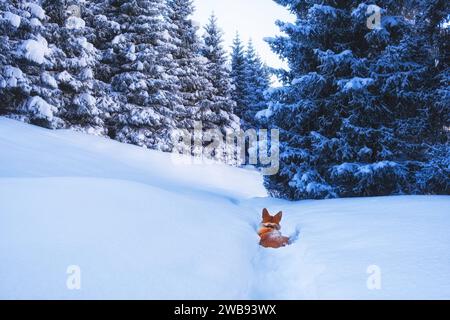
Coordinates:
[351,112]
[238,75]
[101,15]
[257,81]
[199,95]
[408,74]
[74,59]
[26,90]
[139,66]
[433,38]
[218,72]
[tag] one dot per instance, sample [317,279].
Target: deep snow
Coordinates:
[139,226]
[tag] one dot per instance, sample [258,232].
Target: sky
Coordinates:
[253,19]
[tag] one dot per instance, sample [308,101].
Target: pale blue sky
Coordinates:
[252,18]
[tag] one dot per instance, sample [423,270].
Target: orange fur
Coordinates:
[269,231]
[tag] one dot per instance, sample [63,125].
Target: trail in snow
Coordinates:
[141,227]
[273,269]
[406,237]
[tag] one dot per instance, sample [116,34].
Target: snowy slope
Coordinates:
[139,226]
[407,238]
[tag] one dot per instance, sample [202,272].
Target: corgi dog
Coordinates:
[269,231]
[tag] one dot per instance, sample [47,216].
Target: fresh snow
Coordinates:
[13,77]
[263,114]
[35,22]
[75,23]
[39,108]
[355,83]
[13,19]
[118,39]
[85,99]
[48,79]
[355,168]
[36,10]
[64,76]
[36,50]
[140,226]
[323,9]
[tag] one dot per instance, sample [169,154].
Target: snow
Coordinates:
[11,71]
[359,169]
[139,66]
[322,9]
[49,80]
[140,226]
[85,99]
[165,35]
[40,108]
[13,77]
[406,237]
[87,74]
[336,58]
[13,19]
[264,114]
[344,168]
[35,22]
[356,83]
[64,76]
[131,54]
[36,50]
[377,166]
[36,10]
[118,39]
[82,41]
[75,23]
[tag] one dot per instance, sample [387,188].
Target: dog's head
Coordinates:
[269,222]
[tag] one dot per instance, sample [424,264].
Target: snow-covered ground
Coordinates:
[140,226]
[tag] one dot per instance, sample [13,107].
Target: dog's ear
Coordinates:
[277,217]
[265,215]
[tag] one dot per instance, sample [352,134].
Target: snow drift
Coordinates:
[141,227]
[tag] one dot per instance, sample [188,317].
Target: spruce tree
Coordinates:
[238,75]
[199,95]
[26,89]
[217,69]
[140,70]
[257,81]
[195,89]
[101,16]
[74,61]
[354,103]
[433,38]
